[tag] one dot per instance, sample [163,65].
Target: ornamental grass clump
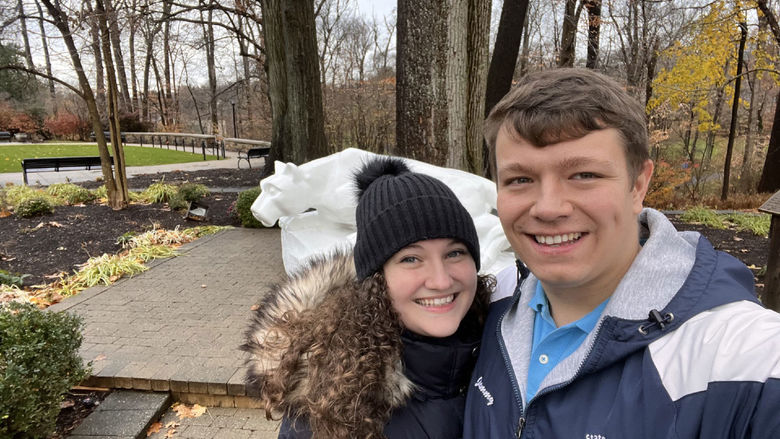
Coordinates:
[101,270]
[39,362]
[69,193]
[159,192]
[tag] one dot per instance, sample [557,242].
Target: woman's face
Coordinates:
[431,285]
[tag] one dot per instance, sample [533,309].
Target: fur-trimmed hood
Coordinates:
[301,317]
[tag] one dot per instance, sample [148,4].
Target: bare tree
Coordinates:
[571,16]
[734,110]
[594,30]
[114,179]
[45,46]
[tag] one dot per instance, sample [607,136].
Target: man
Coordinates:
[624,327]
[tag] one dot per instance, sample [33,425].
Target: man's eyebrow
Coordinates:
[579,161]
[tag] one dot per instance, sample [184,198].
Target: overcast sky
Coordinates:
[379,7]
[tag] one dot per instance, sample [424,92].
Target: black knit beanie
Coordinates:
[397,207]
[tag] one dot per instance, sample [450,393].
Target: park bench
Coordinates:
[93,138]
[57,164]
[5,136]
[252,153]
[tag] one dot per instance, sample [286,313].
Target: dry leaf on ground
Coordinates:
[185,411]
[154,428]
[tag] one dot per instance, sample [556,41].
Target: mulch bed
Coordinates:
[46,246]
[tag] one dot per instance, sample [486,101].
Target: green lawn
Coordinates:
[11,155]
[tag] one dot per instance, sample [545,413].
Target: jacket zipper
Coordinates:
[508,364]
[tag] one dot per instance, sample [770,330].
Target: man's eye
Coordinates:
[517,180]
[584,175]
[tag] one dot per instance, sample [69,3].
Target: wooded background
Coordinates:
[315,77]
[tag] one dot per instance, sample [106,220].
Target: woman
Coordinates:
[381,343]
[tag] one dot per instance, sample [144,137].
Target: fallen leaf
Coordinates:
[198,410]
[100,357]
[752,267]
[154,428]
[5,213]
[55,224]
[67,404]
[172,424]
[255,307]
[760,285]
[744,250]
[170,433]
[737,238]
[203,286]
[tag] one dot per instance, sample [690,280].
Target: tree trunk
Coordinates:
[571,16]
[118,195]
[100,83]
[437,70]
[60,20]
[504,59]
[23,23]
[208,44]
[746,174]
[594,29]
[770,177]
[167,51]
[119,60]
[295,92]
[724,193]
[478,33]
[46,57]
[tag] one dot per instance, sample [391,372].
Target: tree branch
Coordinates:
[43,75]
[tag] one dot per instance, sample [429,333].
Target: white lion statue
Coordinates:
[315,206]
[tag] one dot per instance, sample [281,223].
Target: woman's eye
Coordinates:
[456,253]
[408,259]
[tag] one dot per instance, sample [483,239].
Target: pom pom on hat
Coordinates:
[397,207]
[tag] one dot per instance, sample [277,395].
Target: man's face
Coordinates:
[570,209]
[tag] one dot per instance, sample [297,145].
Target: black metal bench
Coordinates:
[252,153]
[60,163]
[5,136]
[93,138]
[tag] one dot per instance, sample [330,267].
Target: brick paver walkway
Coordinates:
[177,327]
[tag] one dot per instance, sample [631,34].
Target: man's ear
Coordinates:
[641,185]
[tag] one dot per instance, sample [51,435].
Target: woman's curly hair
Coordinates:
[338,358]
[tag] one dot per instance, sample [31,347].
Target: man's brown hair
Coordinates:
[554,106]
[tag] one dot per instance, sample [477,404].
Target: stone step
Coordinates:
[124,414]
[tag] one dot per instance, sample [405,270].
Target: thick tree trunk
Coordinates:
[25,38]
[439,108]
[594,29]
[208,44]
[724,193]
[770,177]
[295,92]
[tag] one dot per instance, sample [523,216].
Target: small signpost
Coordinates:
[771,298]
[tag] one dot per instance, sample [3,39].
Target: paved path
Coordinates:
[47,178]
[176,328]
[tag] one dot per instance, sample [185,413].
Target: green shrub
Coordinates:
[39,362]
[14,195]
[101,192]
[193,191]
[12,279]
[70,193]
[243,204]
[178,202]
[34,206]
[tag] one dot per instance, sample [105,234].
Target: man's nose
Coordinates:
[552,201]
